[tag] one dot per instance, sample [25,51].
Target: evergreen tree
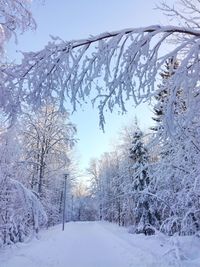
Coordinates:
[144,211]
[163,92]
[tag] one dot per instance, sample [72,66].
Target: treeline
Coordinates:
[35,153]
[153,184]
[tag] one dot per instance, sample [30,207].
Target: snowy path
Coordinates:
[86,244]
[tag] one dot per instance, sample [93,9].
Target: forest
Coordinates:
[150,182]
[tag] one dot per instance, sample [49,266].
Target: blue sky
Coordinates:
[73,19]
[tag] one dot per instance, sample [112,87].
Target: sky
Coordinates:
[76,19]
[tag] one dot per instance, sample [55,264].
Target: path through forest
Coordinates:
[87,244]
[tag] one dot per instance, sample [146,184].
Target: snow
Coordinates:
[98,244]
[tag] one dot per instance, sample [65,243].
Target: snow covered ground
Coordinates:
[100,244]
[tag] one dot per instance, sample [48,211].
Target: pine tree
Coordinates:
[163,92]
[145,217]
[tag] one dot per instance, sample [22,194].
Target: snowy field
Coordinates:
[100,244]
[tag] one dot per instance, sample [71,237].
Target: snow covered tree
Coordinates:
[163,92]
[48,137]
[177,160]
[21,211]
[95,185]
[84,204]
[144,212]
[177,176]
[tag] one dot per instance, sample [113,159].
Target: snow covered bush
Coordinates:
[22,213]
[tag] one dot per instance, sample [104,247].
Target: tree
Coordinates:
[48,138]
[22,214]
[95,184]
[84,204]
[163,92]
[144,212]
[177,160]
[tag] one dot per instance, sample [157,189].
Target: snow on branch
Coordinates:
[15,15]
[110,68]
